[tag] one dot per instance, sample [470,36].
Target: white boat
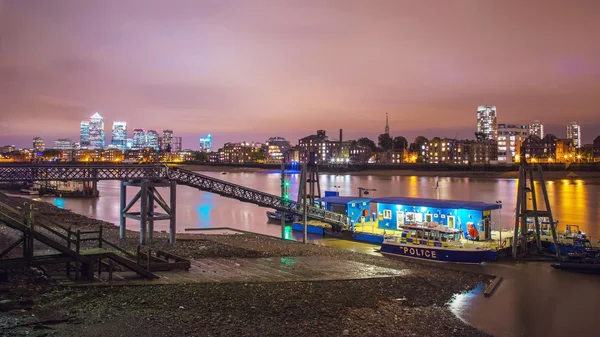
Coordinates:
[29,192]
[433,242]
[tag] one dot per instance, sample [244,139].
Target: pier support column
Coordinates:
[123,204]
[151,213]
[148,198]
[143,212]
[173,205]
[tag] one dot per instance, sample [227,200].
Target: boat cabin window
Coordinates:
[426,235]
[420,234]
[434,235]
[413,233]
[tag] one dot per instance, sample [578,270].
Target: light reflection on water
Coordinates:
[573,201]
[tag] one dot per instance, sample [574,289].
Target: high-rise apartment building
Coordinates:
[152,139]
[119,135]
[84,134]
[38,144]
[206,144]
[96,131]
[166,143]
[536,128]
[510,138]
[63,144]
[487,122]
[574,133]
[139,139]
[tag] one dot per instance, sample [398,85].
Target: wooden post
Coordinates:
[100,236]
[110,269]
[99,246]
[138,255]
[69,233]
[77,247]
[148,258]
[123,204]
[173,206]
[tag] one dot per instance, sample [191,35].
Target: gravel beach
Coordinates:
[413,305]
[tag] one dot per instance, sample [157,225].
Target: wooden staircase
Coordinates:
[70,252]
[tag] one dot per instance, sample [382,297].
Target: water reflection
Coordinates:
[573,202]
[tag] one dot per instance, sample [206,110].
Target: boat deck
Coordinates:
[500,239]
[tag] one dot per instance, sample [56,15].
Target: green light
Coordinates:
[287,233]
[286,183]
[286,196]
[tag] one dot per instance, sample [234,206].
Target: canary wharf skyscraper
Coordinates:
[119,134]
[97,131]
[84,134]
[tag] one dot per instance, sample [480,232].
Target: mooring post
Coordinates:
[123,219]
[173,206]
[143,211]
[524,229]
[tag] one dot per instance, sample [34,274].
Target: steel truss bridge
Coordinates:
[95,172]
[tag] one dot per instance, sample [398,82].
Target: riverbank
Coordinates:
[412,304]
[587,176]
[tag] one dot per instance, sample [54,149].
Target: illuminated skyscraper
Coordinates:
[206,144]
[166,143]
[574,133]
[119,135]
[487,122]
[38,144]
[97,131]
[84,134]
[139,139]
[536,128]
[152,139]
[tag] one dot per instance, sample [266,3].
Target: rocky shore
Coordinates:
[412,305]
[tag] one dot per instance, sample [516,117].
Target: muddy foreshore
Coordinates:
[409,305]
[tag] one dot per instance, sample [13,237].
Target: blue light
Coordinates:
[59,202]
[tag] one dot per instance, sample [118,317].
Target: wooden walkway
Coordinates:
[308,268]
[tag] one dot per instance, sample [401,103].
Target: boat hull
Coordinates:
[273,216]
[438,254]
[588,268]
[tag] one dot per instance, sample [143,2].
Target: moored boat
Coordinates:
[276,216]
[433,242]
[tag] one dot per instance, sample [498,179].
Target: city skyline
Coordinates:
[291,68]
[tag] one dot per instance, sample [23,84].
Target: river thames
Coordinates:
[573,201]
[533,299]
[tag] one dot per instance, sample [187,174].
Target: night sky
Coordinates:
[247,70]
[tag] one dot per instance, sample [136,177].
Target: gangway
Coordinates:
[13,172]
